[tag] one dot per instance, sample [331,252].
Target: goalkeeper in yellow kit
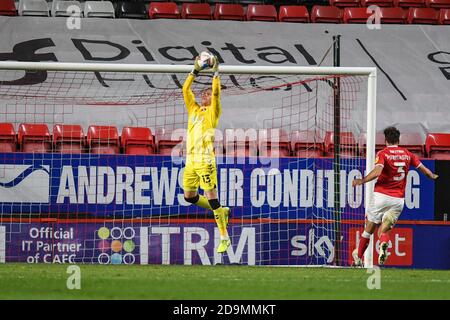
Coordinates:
[200,169]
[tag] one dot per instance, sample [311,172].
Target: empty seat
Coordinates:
[413,142]
[326,14]
[409,3]
[200,11]
[7,8]
[98,9]
[356,15]
[345,3]
[379,3]
[306,144]
[293,14]
[438,145]
[423,16]
[241,142]
[393,15]
[163,10]
[34,137]
[438,4]
[261,12]
[170,142]
[274,143]
[444,16]
[380,142]
[131,10]
[65,9]
[33,8]
[347,141]
[7,137]
[225,11]
[103,139]
[136,140]
[68,138]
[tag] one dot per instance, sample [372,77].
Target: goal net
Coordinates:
[92,159]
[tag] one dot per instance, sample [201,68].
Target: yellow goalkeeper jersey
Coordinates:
[202,122]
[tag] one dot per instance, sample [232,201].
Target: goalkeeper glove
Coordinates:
[197,67]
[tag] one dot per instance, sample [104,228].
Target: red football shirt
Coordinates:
[395,161]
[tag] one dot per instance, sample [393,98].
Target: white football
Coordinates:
[206,59]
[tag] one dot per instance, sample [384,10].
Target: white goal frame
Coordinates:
[369,72]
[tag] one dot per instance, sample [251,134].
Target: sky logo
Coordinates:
[24,183]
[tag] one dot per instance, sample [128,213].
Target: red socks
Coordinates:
[384,237]
[363,243]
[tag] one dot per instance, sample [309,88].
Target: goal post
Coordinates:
[294,99]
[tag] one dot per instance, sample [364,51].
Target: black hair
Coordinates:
[392,135]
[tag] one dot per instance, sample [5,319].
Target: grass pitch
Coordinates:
[48,281]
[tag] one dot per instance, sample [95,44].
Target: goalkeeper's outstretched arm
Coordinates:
[188,95]
[215,99]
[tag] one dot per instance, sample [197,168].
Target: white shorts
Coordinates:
[381,204]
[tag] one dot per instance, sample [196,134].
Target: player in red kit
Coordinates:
[391,168]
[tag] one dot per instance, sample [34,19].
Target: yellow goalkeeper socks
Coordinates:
[219,215]
[203,202]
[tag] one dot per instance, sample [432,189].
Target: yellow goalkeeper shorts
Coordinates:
[203,174]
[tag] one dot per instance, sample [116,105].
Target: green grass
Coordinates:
[45,281]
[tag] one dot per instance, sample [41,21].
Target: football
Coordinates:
[206,60]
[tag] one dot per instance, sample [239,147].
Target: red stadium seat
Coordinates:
[34,138]
[306,144]
[200,11]
[274,143]
[326,14]
[68,138]
[393,15]
[437,146]
[241,142]
[103,139]
[261,12]
[347,142]
[7,138]
[438,4]
[170,142]
[293,14]
[423,16]
[380,143]
[356,15]
[444,16]
[7,8]
[135,140]
[409,3]
[345,3]
[226,11]
[379,3]
[163,10]
[413,142]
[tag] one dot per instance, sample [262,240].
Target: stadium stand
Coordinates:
[34,138]
[99,9]
[347,142]
[103,139]
[163,10]
[345,3]
[413,142]
[379,3]
[137,140]
[293,14]
[261,12]
[379,143]
[356,15]
[168,141]
[444,16]
[131,10]
[273,143]
[60,9]
[7,8]
[240,142]
[201,11]
[306,144]
[224,11]
[7,138]
[409,3]
[33,8]
[68,138]
[438,146]
[326,14]
[423,16]
[393,15]
[438,4]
